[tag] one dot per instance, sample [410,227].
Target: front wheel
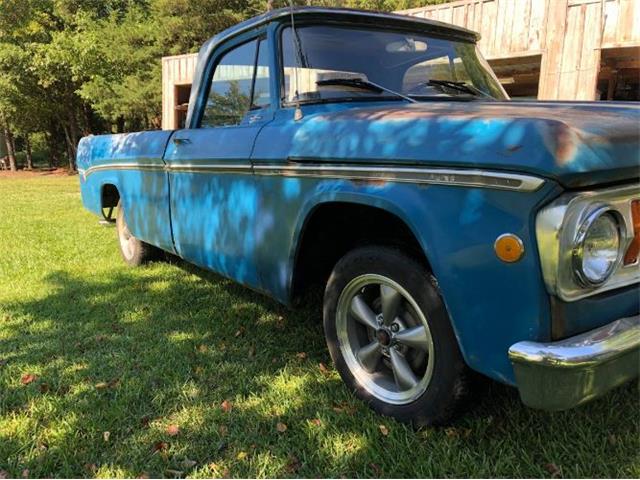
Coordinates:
[390,338]
[135,252]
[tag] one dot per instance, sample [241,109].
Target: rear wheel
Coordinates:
[134,252]
[390,338]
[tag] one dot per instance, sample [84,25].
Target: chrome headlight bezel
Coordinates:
[577,253]
[559,229]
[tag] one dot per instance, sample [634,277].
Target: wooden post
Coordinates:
[551,65]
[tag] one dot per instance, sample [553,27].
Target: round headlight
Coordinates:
[597,247]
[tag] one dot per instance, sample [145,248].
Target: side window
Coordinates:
[261,96]
[230,90]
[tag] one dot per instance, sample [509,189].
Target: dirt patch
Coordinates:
[38,172]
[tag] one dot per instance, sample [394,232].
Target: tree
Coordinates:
[73,67]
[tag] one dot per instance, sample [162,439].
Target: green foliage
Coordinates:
[73,67]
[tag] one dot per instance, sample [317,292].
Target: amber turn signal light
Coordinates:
[509,248]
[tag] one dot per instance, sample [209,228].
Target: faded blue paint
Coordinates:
[248,227]
[144,193]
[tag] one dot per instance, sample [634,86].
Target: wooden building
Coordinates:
[546,49]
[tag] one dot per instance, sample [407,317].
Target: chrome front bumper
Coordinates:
[567,373]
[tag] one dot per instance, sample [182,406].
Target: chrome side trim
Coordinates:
[435,176]
[210,168]
[563,374]
[121,166]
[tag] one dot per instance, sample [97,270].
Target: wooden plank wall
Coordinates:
[569,34]
[176,70]
[508,27]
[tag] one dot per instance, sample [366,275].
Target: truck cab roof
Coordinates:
[323,16]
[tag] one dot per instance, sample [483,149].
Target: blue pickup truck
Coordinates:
[378,156]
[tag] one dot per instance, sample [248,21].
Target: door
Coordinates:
[212,188]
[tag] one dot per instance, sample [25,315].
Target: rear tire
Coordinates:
[134,252]
[407,366]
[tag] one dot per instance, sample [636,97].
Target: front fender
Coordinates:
[491,304]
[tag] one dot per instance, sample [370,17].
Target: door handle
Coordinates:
[181,141]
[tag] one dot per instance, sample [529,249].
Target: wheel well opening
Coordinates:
[110,196]
[333,229]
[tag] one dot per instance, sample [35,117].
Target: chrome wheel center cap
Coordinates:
[383,337]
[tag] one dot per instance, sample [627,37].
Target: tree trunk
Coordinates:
[11,153]
[70,150]
[27,145]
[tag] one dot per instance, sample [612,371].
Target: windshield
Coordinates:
[414,65]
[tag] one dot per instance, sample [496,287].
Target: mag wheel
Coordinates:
[384,339]
[390,337]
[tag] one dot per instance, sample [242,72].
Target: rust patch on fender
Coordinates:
[368,182]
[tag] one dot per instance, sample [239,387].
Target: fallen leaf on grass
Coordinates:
[203,348]
[293,464]
[281,427]
[323,368]
[91,467]
[160,446]
[301,355]
[316,421]
[384,430]
[173,430]
[27,378]
[25,473]
[226,406]
[240,331]
[553,469]
[143,475]
[344,408]
[451,432]
[241,455]
[113,383]
[105,436]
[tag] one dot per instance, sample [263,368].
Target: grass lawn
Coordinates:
[171,371]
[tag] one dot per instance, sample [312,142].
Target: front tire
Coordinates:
[134,252]
[390,337]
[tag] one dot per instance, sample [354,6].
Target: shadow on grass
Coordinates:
[137,351]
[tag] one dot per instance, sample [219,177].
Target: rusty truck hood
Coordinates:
[576,144]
